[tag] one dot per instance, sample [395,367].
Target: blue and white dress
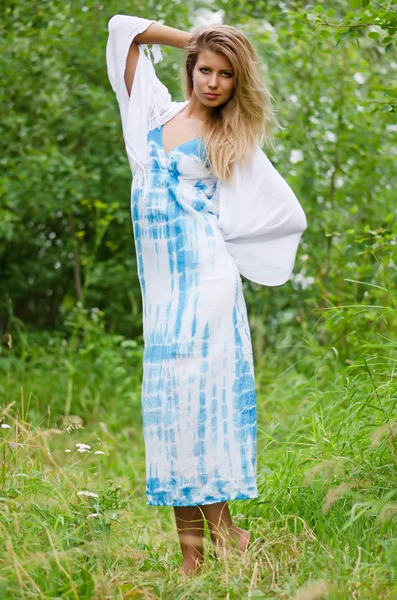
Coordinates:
[198,388]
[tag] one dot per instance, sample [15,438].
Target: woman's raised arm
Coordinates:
[156,33]
[162,34]
[141,95]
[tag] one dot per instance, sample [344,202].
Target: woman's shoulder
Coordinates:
[164,110]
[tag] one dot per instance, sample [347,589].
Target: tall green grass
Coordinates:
[74,522]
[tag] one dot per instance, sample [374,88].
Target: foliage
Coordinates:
[65,226]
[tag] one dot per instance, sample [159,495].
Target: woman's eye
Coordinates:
[224,73]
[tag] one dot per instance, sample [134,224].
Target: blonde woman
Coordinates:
[207,206]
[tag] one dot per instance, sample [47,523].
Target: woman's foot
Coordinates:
[190,567]
[190,527]
[238,537]
[243,538]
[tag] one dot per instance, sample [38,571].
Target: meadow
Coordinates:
[74,518]
[74,522]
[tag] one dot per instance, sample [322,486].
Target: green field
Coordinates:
[74,523]
[325,519]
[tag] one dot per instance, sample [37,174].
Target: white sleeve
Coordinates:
[149,98]
[262,222]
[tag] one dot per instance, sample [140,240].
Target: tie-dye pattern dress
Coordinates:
[198,388]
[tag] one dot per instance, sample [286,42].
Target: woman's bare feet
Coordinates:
[225,535]
[190,567]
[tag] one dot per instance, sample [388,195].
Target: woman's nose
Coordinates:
[214,80]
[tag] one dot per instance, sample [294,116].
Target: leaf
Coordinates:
[297,26]
[390,92]
[100,204]
[87,585]
[318,8]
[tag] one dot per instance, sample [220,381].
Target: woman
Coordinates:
[207,206]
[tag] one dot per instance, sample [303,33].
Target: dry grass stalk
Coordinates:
[335,493]
[388,512]
[388,429]
[313,591]
[332,465]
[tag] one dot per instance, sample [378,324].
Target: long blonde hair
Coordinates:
[247,119]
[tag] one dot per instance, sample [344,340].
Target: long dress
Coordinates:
[198,388]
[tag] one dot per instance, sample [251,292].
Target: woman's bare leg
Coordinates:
[222,529]
[190,527]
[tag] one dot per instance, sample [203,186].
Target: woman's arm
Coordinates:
[162,34]
[155,34]
[148,100]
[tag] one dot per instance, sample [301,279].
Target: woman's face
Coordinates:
[213,74]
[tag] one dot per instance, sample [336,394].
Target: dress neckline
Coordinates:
[175,147]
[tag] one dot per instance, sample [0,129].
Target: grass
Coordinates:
[324,525]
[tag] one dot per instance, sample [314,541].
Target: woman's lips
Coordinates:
[211,96]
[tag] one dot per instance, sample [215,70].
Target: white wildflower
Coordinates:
[67,450]
[82,450]
[5,426]
[83,445]
[87,493]
[299,280]
[99,452]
